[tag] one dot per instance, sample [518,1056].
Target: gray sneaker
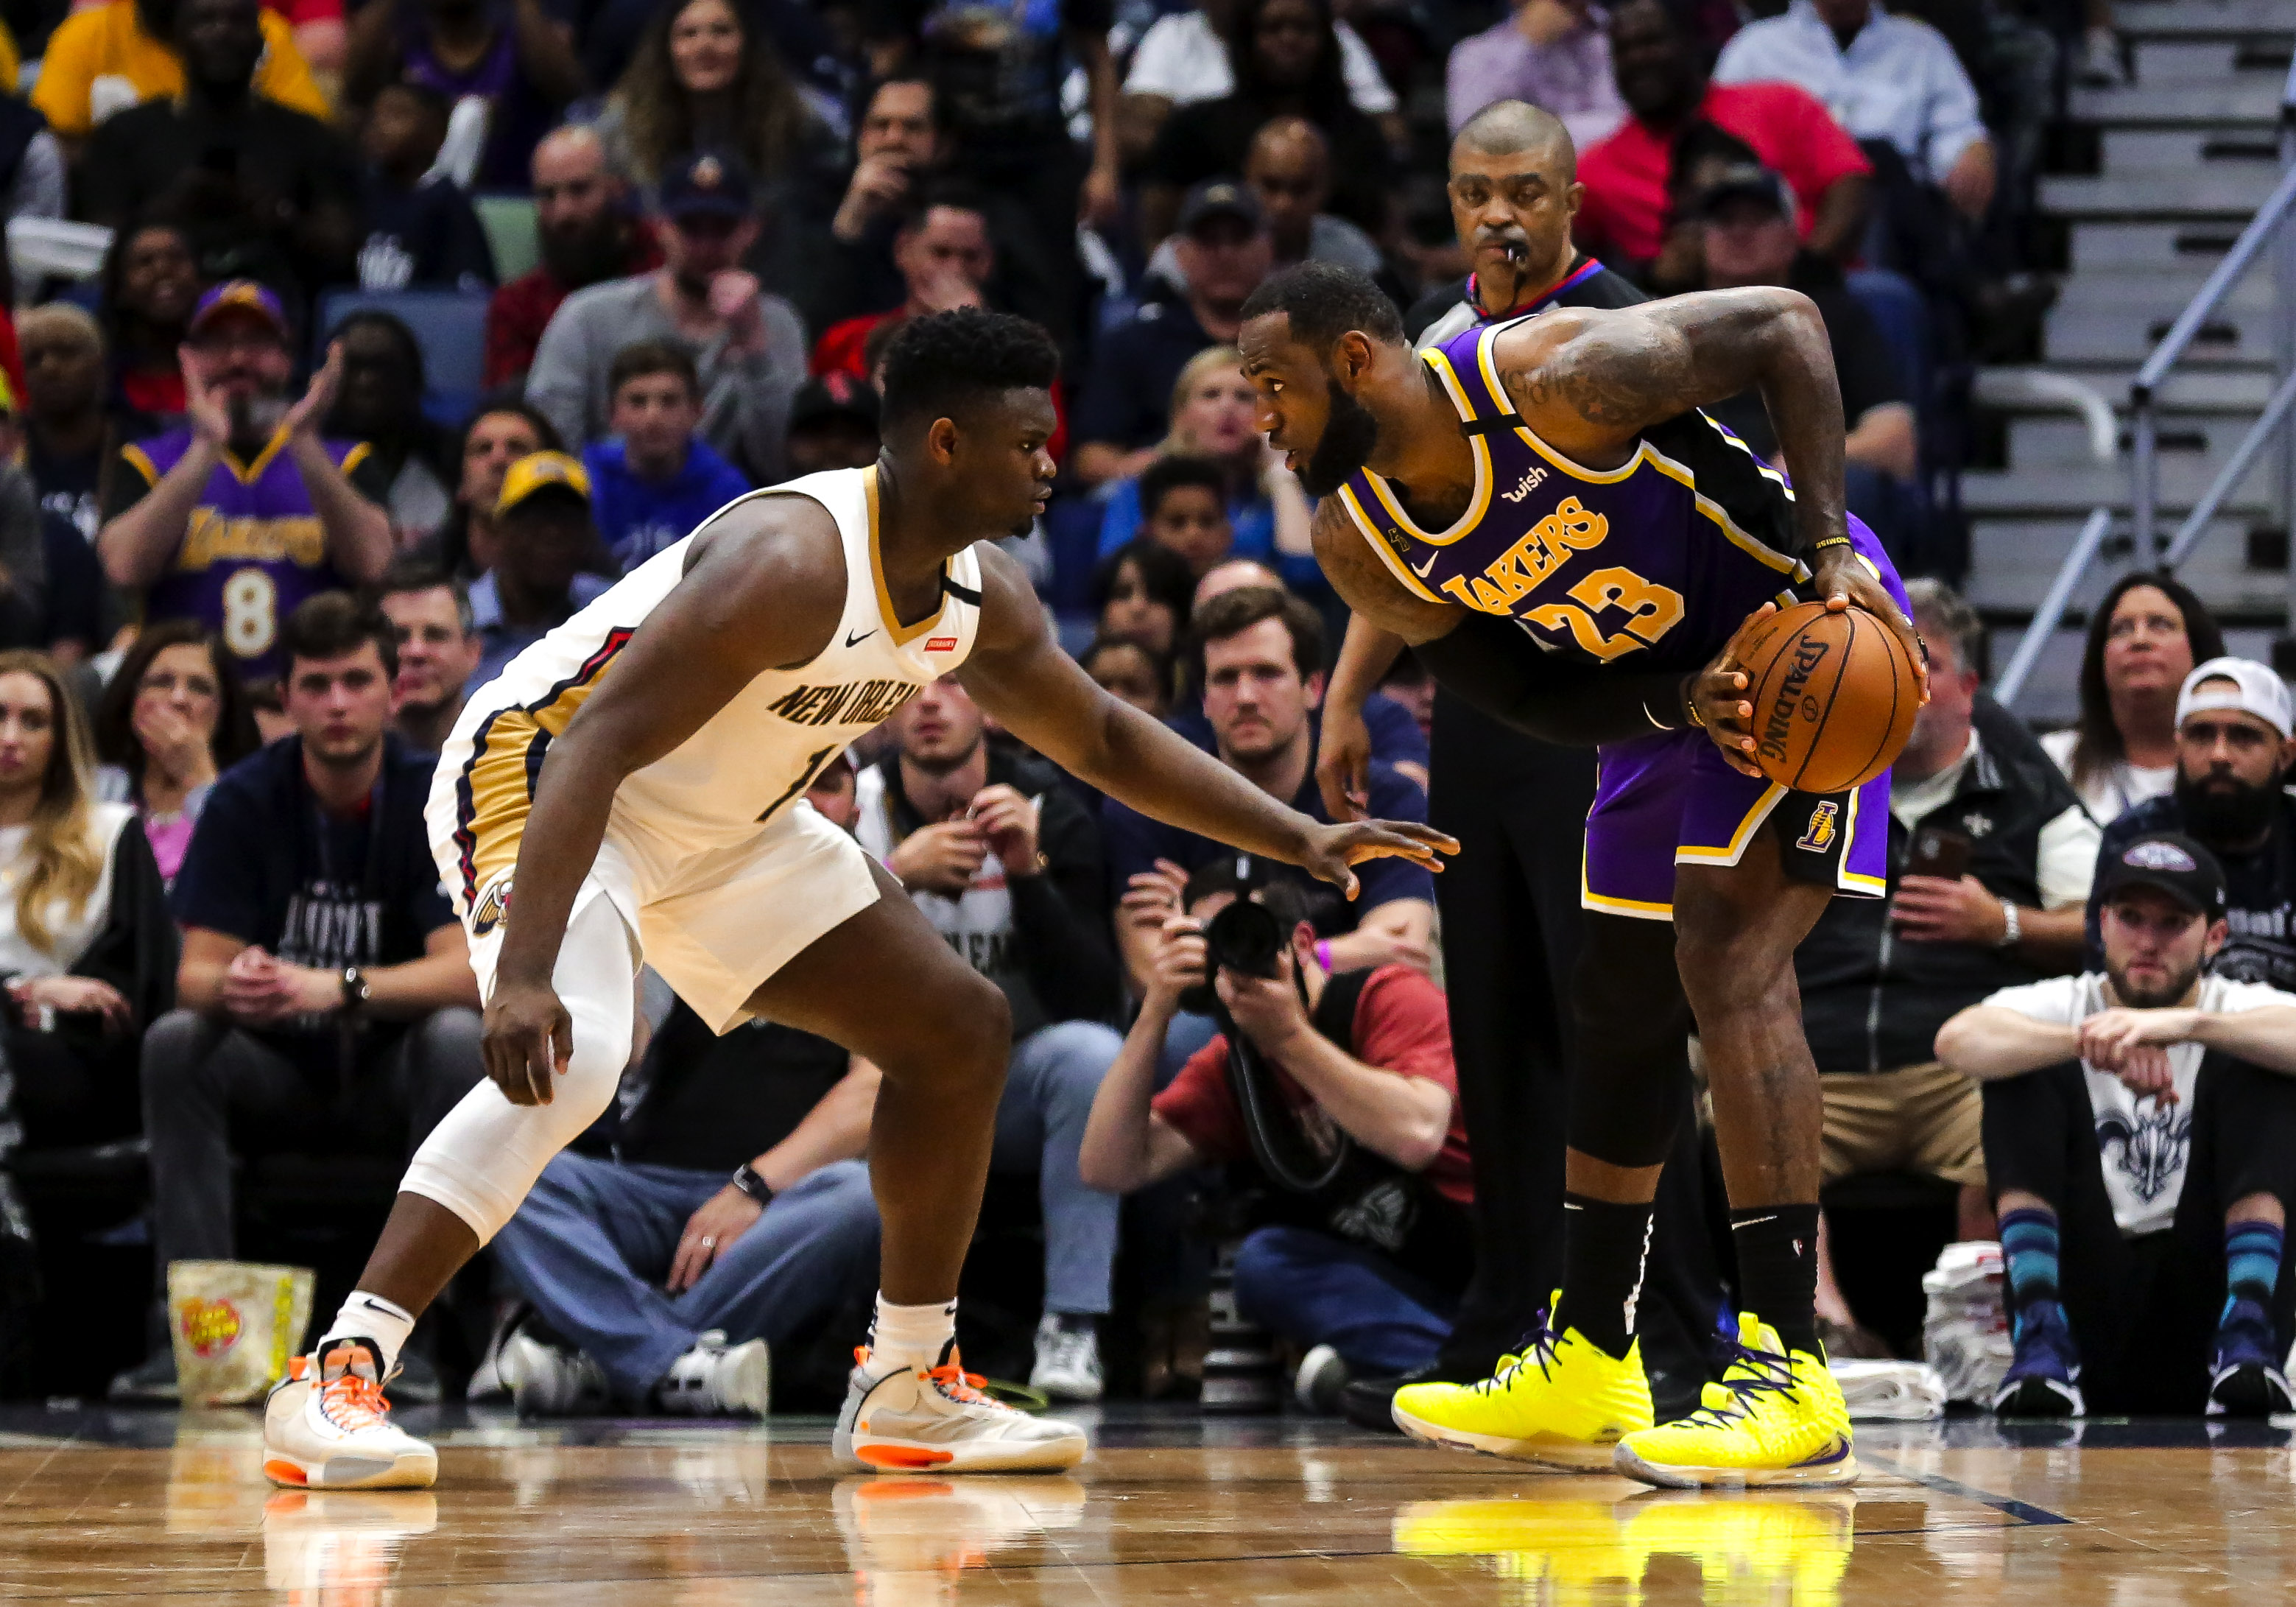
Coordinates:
[715,1379]
[1322,1374]
[152,1379]
[1068,1361]
[935,1420]
[547,1382]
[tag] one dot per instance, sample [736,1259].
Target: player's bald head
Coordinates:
[1517,128]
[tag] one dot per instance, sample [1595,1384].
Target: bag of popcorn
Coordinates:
[235,1325]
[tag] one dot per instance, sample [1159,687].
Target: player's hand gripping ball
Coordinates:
[1832,696]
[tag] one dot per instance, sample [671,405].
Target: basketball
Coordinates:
[1833,695]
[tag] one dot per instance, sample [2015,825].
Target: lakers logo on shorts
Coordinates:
[1820,835]
[493,905]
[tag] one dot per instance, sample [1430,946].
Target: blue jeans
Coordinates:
[1317,1290]
[1048,1091]
[593,1239]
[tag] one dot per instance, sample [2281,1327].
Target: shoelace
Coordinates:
[1539,1347]
[954,1381]
[354,1402]
[959,1385]
[1749,1374]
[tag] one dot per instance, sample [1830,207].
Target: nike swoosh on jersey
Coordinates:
[1421,570]
[853,641]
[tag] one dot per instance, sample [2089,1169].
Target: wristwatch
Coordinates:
[746,1179]
[2009,930]
[356,991]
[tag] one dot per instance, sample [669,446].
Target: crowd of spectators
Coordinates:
[255,552]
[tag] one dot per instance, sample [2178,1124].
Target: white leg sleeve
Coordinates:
[480,1160]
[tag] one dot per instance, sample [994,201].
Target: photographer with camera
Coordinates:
[1334,1099]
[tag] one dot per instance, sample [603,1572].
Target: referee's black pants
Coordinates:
[1512,930]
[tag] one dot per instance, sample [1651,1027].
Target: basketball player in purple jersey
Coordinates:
[1538,506]
[244,512]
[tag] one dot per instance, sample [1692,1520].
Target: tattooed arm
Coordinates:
[1589,381]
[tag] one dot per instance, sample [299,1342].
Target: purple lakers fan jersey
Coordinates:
[252,550]
[1658,561]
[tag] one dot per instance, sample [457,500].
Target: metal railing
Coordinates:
[2147,544]
[2039,389]
[2145,391]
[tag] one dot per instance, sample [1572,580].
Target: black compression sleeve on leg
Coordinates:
[1493,665]
[1630,1077]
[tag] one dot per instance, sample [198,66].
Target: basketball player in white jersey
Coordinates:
[637,776]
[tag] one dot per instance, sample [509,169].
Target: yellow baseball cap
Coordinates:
[542,472]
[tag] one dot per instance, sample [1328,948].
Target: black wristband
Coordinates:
[746,1179]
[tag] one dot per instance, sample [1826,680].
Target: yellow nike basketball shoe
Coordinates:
[1777,1418]
[1561,1401]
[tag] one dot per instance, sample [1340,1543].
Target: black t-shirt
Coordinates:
[1127,399]
[1863,361]
[1601,289]
[284,166]
[73,483]
[2259,892]
[999,67]
[76,584]
[268,866]
[1209,139]
[428,237]
[713,1102]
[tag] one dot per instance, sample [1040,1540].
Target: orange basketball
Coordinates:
[1833,695]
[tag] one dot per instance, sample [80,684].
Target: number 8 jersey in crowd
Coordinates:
[1659,560]
[710,854]
[252,550]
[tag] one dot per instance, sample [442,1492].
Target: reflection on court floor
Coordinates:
[123,1506]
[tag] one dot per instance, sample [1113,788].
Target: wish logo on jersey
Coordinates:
[855,702]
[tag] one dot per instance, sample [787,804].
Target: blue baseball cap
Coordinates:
[705,185]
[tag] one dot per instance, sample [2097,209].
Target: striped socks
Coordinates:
[2028,1246]
[2251,1263]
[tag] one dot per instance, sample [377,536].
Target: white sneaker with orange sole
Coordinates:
[327,1426]
[935,1420]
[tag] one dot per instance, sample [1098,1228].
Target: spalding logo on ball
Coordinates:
[1834,697]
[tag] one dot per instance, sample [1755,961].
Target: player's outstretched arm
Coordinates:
[1019,675]
[763,590]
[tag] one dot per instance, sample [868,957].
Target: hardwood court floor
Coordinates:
[147,1507]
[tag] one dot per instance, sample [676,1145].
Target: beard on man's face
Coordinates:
[2225,809]
[584,256]
[1349,435]
[2133,997]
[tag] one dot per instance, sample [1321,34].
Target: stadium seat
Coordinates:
[450,326]
[509,223]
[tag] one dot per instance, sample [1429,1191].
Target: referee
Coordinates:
[1519,808]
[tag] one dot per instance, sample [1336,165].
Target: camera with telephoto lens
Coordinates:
[1245,937]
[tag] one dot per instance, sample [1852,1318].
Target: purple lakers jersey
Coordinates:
[1663,557]
[252,550]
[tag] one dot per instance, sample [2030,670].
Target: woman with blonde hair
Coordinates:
[87,951]
[1214,415]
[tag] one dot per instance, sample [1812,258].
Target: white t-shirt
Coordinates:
[2115,790]
[1183,59]
[2144,1145]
